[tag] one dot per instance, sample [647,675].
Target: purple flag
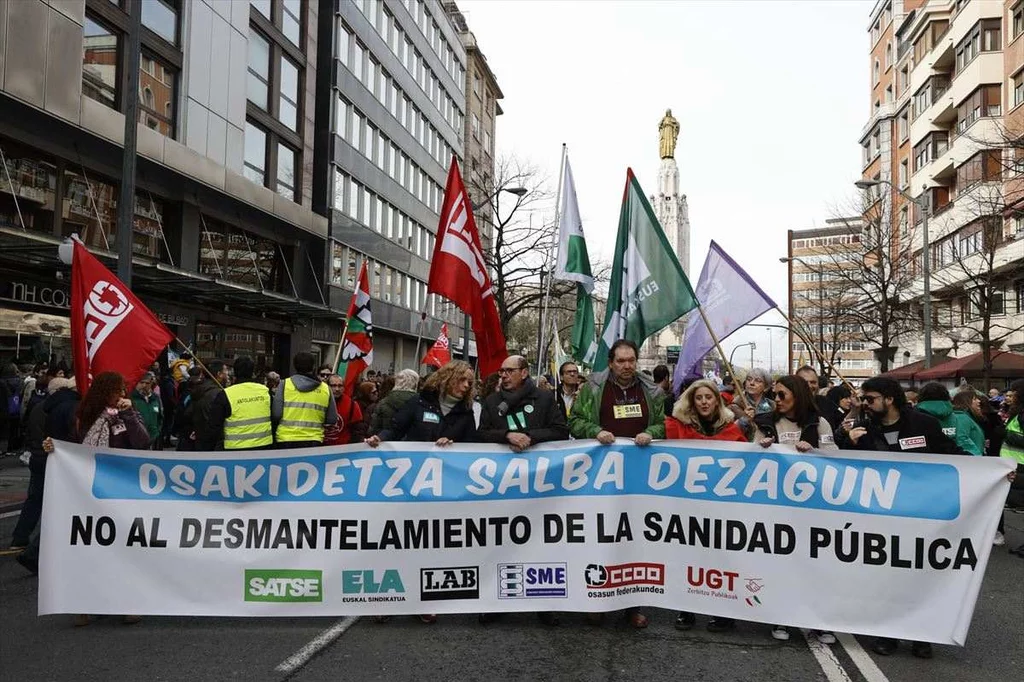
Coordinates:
[729,298]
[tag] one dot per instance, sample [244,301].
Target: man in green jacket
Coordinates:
[147,404]
[934,399]
[619,402]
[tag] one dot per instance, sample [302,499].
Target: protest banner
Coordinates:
[871,543]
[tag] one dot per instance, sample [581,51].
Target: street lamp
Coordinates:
[924,205]
[753,347]
[821,305]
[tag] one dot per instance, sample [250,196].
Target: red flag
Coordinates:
[459,273]
[111,329]
[440,354]
[356,352]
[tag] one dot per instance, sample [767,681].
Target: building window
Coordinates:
[1018,88]
[33,183]
[100,61]
[289,104]
[103,61]
[255,154]
[161,17]
[286,171]
[1017,20]
[239,256]
[985,166]
[985,36]
[888,55]
[876,74]
[259,69]
[903,126]
[291,20]
[904,174]
[263,7]
[983,102]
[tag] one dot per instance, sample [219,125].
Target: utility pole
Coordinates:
[126,195]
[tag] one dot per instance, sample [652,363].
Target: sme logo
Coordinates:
[283,585]
[600,577]
[532,581]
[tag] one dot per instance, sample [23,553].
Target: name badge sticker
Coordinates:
[913,442]
[789,437]
[118,429]
[627,411]
[431,417]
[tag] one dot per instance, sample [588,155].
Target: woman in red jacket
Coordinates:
[701,414]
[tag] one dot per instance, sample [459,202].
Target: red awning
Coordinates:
[906,372]
[1004,365]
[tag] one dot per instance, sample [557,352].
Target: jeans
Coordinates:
[33,507]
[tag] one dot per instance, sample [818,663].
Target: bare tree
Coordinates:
[873,272]
[824,317]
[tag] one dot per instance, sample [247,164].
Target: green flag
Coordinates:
[648,289]
[574,265]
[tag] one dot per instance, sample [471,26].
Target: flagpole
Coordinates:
[542,347]
[816,350]
[341,344]
[419,337]
[718,345]
[198,361]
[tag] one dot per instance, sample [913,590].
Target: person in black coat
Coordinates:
[521,414]
[442,413]
[893,425]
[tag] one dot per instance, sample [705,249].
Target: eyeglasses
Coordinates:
[780,395]
[869,398]
[509,370]
[324,375]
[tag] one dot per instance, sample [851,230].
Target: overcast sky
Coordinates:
[770,97]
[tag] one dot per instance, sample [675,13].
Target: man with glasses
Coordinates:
[891,424]
[568,385]
[240,414]
[520,414]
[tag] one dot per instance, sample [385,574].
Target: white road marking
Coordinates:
[316,645]
[830,665]
[867,666]
[7,515]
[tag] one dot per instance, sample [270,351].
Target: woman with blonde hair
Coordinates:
[441,414]
[701,414]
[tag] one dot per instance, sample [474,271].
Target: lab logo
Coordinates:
[533,581]
[456,582]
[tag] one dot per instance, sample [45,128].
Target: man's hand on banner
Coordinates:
[47,445]
[803,446]
[518,441]
[444,442]
[605,437]
[643,438]
[372,441]
[766,442]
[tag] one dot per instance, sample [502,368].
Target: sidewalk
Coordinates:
[13,484]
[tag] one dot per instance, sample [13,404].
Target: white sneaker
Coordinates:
[780,633]
[825,637]
[25,457]
[999,540]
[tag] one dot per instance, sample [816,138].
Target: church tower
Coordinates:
[672,212]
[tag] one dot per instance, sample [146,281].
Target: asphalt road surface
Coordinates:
[517,647]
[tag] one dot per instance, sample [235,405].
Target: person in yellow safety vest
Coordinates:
[302,405]
[1013,443]
[240,414]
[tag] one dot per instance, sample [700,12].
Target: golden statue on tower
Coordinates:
[668,130]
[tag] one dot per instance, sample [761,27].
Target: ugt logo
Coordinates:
[104,309]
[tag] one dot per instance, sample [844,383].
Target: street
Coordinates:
[517,647]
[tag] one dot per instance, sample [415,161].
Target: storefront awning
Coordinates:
[21,249]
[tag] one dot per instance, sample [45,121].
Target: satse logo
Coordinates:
[372,586]
[104,309]
[622,579]
[457,582]
[283,585]
[532,581]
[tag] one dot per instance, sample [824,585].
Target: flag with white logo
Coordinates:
[357,344]
[440,353]
[648,289]
[111,329]
[459,273]
[574,266]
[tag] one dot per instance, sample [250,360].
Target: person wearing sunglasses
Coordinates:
[795,422]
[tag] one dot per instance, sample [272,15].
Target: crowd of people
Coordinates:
[229,408]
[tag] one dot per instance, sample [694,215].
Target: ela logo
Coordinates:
[457,582]
[283,585]
[532,581]
[372,586]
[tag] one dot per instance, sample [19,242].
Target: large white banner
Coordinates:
[869,543]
